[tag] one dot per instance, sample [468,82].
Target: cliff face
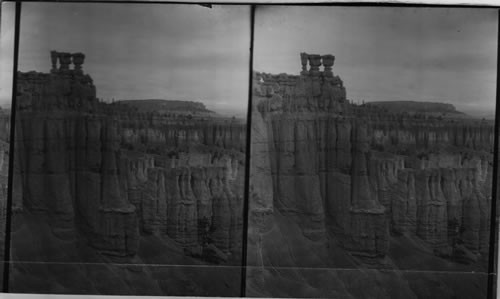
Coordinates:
[196,203]
[110,177]
[360,175]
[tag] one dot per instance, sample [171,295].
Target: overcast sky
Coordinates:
[191,52]
[145,51]
[383,54]
[6,52]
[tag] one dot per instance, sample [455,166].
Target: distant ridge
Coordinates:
[412,107]
[166,106]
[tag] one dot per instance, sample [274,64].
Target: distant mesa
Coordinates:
[413,107]
[167,106]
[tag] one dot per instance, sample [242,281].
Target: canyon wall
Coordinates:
[108,175]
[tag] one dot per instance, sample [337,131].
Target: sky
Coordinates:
[6,53]
[189,52]
[146,51]
[384,53]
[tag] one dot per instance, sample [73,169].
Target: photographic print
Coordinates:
[372,137]
[130,145]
